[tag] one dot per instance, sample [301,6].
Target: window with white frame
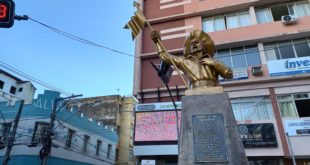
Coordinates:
[252,108]
[263,15]
[287,49]
[239,57]
[275,12]
[294,105]
[229,21]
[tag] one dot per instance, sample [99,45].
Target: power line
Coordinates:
[95,130]
[126,148]
[26,142]
[79,110]
[86,155]
[79,39]
[93,145]
[12,65]
[30,77]
[34,118]
[63,121]
[83,138]
[2,116]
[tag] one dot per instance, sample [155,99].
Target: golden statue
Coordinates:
[197,64]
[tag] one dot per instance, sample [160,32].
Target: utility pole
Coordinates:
[290,148]
[12,136]
[46,149]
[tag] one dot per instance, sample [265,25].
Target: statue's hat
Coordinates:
[202,36]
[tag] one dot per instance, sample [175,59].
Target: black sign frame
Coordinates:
[258,135]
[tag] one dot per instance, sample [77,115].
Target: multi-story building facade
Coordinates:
[115,112]
[77,139]
[270,58]
[13,88]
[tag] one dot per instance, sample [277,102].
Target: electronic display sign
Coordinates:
[7,13]
[158,126]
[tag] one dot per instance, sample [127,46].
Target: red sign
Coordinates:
[3,11]
[7,13]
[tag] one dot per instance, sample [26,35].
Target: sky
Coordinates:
[67,64]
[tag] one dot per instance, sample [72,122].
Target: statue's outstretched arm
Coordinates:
[219,67]
[163,54]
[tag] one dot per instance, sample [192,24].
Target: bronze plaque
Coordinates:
[209,139]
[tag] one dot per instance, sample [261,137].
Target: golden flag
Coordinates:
[136,23]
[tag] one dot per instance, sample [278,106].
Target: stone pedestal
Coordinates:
[209,133]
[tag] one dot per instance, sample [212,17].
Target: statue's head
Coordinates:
[199,41]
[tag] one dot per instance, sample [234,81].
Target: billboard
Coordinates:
[289,66]
[156,126]
[258,135]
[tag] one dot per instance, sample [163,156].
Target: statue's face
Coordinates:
[196,46]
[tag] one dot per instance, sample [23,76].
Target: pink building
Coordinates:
[266,43]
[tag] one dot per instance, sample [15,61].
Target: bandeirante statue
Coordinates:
[197,63]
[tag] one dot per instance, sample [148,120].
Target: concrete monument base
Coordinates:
[209,133]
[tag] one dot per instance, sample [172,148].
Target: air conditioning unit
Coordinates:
[257,70]
[288,19]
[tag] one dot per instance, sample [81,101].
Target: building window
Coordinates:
[239,57]
[287,49]
[20,89]
[69,138]
[252,108]
[5,129]
[263,162]
[295,105]
[229,21]
[98,147]
[1,84]
[40,131]
[274,13]
[109,151]
[13,90]
[116,153]
[263,15]
[85,143]
[278,11]
[171,162]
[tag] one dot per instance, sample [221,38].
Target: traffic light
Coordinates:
[7,13]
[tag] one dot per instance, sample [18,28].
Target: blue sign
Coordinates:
[289,66]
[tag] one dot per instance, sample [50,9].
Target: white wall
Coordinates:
[27,93]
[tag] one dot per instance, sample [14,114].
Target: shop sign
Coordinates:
[157,106]
[148,162]
[258,135]
[289,66]
[297,127]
